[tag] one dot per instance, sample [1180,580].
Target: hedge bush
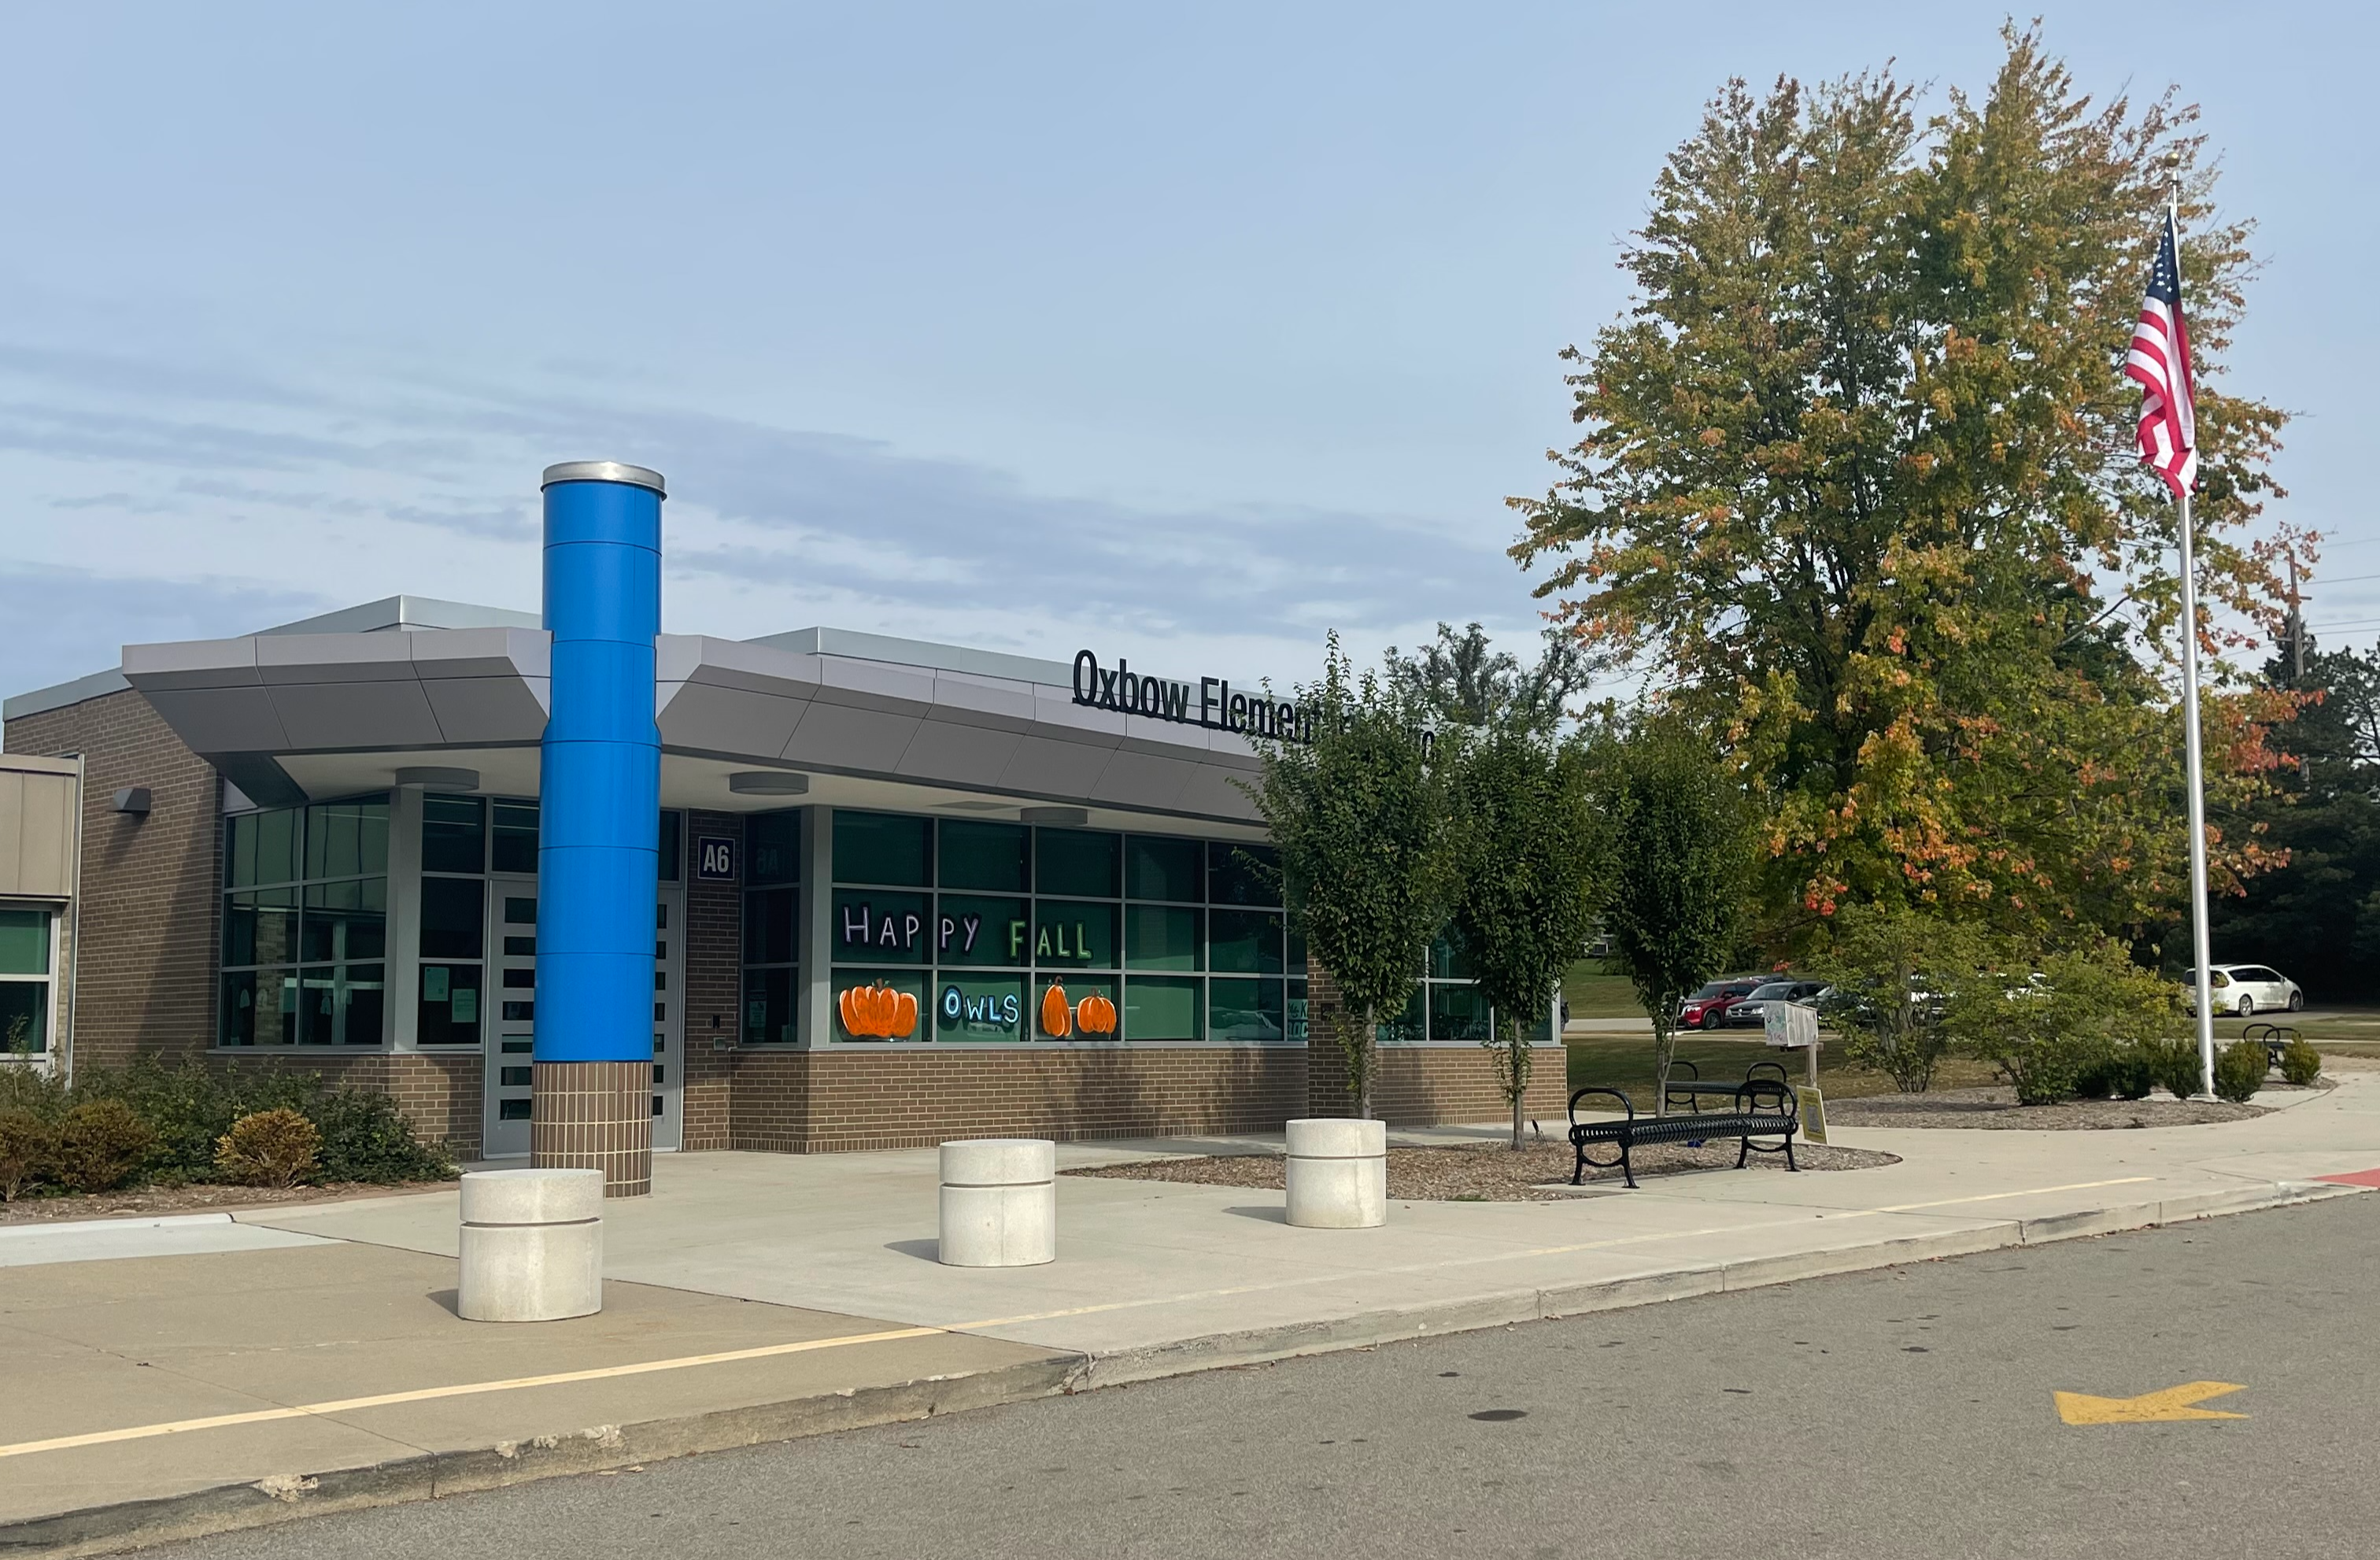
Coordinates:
[2174,1064]
[274,1147]
[101,1145]
[2240,1070]
[28,1143]
[2300,1063]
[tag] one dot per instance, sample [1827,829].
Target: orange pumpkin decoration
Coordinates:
[1057,1019]
[1096,1015]
[879,1011]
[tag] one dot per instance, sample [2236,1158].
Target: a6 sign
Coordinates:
[714,859]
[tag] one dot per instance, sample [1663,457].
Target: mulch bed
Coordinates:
[1997,1107]
[1484,1174]
[150,1203]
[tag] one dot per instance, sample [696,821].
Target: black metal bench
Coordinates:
[2274,1038]
[1764,1108]
[1690,1089]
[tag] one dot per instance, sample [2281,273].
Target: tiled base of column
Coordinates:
[594,1115]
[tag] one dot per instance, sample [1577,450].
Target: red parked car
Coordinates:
[1702,1010]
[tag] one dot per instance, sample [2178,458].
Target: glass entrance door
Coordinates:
[512,913]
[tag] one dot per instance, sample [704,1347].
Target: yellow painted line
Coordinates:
[460,1389]
[768,1351]
[2149,1408]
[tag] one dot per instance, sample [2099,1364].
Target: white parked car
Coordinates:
[2242,989]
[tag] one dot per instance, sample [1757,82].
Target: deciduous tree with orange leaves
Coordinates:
[1858,492]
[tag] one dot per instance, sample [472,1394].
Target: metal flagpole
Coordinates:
[2201,951]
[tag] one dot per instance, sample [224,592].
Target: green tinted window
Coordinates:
[347,838]
[347,921]
[454,835]
[876,1021]
[673,844]
[513,845]
[772,847]
[1165,868]
[991,856]
[448,1007]
[768,1007]
[1072,992]
[977,930]
[1244,942]
[980,1007]
[881,847]
[25,1016]
[1243,875]
[1410,1025]
[260,926]
[769,922]
[1163,1008]
[261,846]
[24,942]
[1248,1010]
[1075,862]
[1160,937]
[453,919]
[1074,934]
[880,926]
[1457,1012]
[1447,959]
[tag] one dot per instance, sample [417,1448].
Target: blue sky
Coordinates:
[1190,332]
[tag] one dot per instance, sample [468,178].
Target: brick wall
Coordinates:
[145,970]
[713,976]
[1424,1085]
[438,1093]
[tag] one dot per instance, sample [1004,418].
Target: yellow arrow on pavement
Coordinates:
[2149,1408]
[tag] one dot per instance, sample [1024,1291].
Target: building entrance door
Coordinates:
[511,911]
[512,908]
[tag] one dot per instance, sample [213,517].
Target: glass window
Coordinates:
[974,930]
[770,916]
[1063,1000]
[1411,1024]
[1243,875]
[449,1004]
[980,1007]
[1165,868]
[880,926]
[868,1005]
[347,838]
[672,845]
[1074,933]
[881,847]
[991,856]
[454,835]
[263,847]
[1163,1008]
[1296,1021]
[768,1007]
[260,927]
[1160,937]
[513,837]
[1243,943]
[24,981]
[452,916]
[1246,1010]
[345,921]
[1457,1011]
[1076,863]
[520,911]
[1448,962]
[772,847]
[24,942]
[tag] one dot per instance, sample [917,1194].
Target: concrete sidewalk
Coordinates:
[756,1297]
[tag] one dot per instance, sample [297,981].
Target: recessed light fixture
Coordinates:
[768,783]
[431,778]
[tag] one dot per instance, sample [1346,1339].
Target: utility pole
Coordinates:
[2296,628]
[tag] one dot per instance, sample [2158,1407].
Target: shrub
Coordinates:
[29,1145]
[2240,1070]
[2300,1063]
[100,1144]
[2173,1063]
[2046,1032]
[366,1137]
[2132,1073]
[274,1147]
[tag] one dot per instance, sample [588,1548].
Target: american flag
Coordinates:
[2160,362]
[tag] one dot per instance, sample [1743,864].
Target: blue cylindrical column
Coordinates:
[598,825]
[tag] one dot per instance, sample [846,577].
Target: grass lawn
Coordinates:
[1593,994]
[1625,1062]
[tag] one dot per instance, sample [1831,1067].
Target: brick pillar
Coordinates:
[595,1116]
[714,990]
[1326,1065]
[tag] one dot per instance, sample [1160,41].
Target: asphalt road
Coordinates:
[1899,1413]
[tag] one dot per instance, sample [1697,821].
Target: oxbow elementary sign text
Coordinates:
[1216,706]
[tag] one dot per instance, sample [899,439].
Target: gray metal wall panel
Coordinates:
[335,658]
[191,664]
[1142,780]
[728,720]
[471,711]
[957,754]
[222,720]
[372,714]
[845,738]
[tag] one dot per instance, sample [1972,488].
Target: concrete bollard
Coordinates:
[1000,1203]
[1337,1173]
[532,1245]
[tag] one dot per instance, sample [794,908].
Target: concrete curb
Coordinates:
[127,1525]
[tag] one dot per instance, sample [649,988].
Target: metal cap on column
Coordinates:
[598,824]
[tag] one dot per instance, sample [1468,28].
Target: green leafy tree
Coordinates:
[1857,491]
[1892,969]
[1359,815]
[1524,831]
[1675,852]
[2044,1019]
[1461,678]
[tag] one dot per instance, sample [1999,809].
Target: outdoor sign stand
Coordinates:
[1792,1027]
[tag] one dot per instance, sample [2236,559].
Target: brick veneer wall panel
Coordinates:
[713,977]
[144,978]
[1424,1085]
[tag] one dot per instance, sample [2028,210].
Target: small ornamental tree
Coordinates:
[1674,859]
[1358,814]
[1893,969]
[1523,906]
